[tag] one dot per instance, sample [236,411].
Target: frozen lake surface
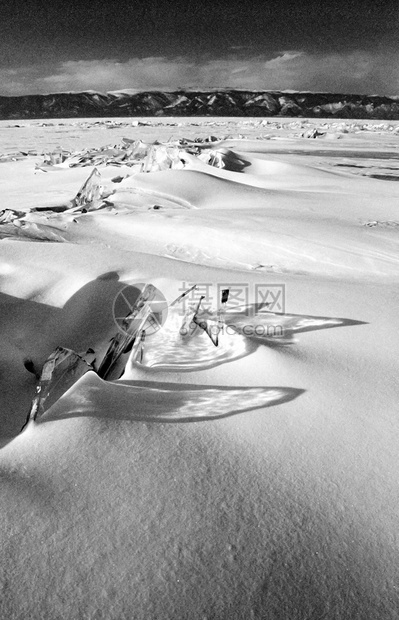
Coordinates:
[274,492]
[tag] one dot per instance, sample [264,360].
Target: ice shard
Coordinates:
[162,157]
[130,337]
[60,371]
[9,215]
[89,195]
[214,323]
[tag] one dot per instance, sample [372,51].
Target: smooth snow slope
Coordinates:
[287,509]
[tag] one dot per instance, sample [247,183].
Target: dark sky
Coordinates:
[39,37]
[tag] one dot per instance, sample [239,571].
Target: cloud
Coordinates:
[353,72]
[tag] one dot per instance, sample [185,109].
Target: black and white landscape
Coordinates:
[252,479]
[199,325]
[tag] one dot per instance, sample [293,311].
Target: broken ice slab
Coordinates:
[161,157]
[138,347]
[140,311]
[60,371]
[137,148]
[212,158]
[9,215]
[224,158]
[89,195]
[121,347]
[131,335]
[57,160]
[114,361]
[56,157]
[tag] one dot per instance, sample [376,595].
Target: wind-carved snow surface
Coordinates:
[213,448]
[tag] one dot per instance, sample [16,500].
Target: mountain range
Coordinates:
[223,102]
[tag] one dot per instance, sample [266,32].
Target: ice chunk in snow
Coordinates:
[131,337]
[9,215]
[60,371]
[161,157]
[89,195]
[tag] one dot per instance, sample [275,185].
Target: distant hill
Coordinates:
[199,103]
